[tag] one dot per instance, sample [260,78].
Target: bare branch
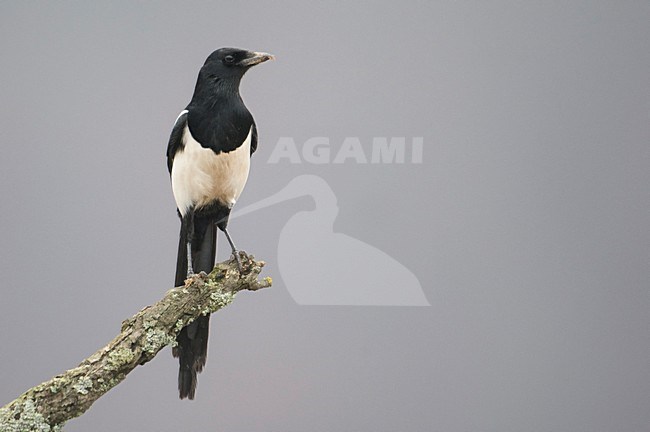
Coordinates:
[47,406]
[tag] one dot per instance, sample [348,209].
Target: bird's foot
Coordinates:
[243,261]
[190,272]
[235,253]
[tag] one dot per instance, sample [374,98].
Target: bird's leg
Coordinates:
[188,221]
[235,252]
[190,270]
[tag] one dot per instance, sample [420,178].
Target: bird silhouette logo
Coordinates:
[322,267]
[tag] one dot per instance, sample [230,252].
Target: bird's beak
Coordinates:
[256,58]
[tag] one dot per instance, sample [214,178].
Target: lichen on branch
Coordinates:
[46,407]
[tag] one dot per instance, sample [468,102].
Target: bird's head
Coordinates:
[231,63]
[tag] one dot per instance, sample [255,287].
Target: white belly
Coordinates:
[199,176]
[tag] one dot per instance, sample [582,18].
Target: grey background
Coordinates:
[527,223]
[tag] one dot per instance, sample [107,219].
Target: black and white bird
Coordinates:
[208,157]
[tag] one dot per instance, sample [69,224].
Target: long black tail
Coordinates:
[192,348]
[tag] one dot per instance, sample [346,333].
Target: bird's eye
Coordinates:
[229,59]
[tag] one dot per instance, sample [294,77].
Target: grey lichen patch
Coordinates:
[221,299]
[218,300]
[119,357]
[155,339]
[180,324]
[105,385]
[23,417]
[83,385]
[149,323]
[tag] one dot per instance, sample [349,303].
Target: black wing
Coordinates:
[254,139]
[176,139]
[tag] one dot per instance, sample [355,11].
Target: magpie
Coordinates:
[208,158]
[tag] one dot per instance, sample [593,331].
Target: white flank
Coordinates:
[199,176]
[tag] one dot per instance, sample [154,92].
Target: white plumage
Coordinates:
[199,176]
